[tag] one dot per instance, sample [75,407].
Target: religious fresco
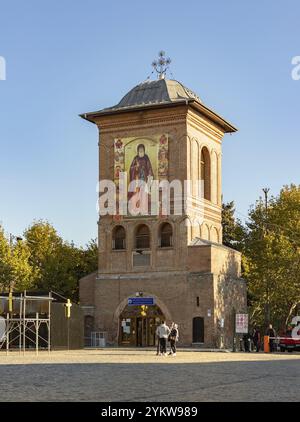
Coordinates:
[141,158]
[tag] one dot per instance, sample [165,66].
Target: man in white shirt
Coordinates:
[162,333]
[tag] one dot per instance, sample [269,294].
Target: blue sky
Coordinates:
[67,57]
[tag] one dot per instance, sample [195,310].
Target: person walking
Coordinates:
[169,338]
[256,339]
[173,339]
[163,332]
[272,334]
[158,344]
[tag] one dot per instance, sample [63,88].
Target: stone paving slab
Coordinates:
[139,375]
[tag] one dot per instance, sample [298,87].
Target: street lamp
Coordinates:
[11,284]
[267,312]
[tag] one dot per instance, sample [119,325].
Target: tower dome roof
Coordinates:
[160,91]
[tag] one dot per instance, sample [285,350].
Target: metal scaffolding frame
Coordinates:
[23,329]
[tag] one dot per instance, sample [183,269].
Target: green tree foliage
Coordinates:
[42,260]
[22,272]
[5,260]
[272,250]
[233,230]
[15,269]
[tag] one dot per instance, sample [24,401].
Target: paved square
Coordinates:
[139,375]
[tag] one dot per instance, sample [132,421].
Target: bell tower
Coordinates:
[161,132]
[181,140]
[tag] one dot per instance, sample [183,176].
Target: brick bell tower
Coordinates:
[161,130]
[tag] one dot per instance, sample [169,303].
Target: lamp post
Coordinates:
[11,283]
[265,231]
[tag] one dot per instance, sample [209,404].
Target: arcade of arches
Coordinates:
[143,236]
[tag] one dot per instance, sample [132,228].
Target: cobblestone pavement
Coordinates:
[139,375]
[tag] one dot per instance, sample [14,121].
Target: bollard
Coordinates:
[266,344]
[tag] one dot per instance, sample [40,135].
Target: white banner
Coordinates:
[241,323]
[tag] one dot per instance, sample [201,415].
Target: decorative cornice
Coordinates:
[153,121]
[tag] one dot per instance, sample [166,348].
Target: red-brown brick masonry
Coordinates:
[196,276]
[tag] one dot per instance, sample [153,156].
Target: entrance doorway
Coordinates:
[139,329]
[88,328]
[198,330]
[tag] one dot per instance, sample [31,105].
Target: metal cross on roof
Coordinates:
[161,64]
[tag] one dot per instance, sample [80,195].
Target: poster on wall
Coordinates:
[241,323]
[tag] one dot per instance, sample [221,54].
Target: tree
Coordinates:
[45,246]
[22,272]
[44,261]
[272,246]
[15,269]
[233,230]
[90,257]
[5,261]
[86,262]
[59,264]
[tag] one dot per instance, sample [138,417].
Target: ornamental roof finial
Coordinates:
[161,64]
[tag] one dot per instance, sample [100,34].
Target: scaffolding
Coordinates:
[25,322]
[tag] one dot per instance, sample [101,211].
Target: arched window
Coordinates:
[142,237]
[166,234]
[205,172]
[119,237]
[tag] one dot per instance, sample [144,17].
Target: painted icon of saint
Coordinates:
[141,168]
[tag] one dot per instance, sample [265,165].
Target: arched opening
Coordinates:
[166,235]
[214,237]
[138,324]
[142,237]
[205,232]
[119,238]
[205,173]
[198,330]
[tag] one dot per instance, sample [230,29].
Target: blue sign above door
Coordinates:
[139,301]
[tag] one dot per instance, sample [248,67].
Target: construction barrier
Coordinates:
[266,344]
